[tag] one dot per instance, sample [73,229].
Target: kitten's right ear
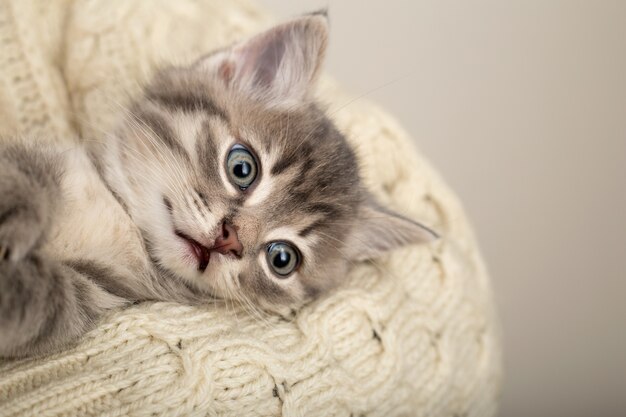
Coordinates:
[380,230]
[277,67]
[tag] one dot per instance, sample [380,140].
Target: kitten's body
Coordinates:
[223,180]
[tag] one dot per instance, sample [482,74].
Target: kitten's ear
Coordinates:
[278,66]
[379,230]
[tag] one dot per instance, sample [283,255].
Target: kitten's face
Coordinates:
[239,182]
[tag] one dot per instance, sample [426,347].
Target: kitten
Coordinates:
[224,179]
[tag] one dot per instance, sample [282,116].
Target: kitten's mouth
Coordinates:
[201,252]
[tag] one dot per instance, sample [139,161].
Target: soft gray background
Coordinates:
[522,106]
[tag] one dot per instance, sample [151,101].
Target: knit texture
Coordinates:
[413,334]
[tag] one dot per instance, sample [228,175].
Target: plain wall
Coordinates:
[522,106]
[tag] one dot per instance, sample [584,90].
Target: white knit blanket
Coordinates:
[413,334]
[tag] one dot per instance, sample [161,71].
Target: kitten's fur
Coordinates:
[83,232]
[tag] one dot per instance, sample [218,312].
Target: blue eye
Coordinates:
[241,167]
[282,258]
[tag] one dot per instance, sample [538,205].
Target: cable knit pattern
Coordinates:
[413,334]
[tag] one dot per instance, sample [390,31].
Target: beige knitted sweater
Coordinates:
[414,334]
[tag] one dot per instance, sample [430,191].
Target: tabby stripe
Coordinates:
[12,211]
[187,103]
[324,208]
[82,291]
[103,276]
[287,160]
[207,153]
[204,200]
[160,128]
[307,230]
[56,299]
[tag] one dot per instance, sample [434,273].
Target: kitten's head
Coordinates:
[240,183]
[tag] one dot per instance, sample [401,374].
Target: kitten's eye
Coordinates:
[241,167]
[282,258]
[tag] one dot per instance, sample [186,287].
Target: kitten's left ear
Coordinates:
[278,66]
[379,230]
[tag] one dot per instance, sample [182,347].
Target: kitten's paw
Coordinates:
[20,230]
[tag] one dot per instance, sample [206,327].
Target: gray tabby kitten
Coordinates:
[224,180]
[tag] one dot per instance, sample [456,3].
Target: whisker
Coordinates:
[373,90]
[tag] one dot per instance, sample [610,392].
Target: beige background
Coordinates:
[522,106]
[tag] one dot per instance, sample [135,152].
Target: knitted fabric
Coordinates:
[412,334]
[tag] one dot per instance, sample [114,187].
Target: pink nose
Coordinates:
[228,242]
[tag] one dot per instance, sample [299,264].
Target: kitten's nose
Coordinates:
[228,242]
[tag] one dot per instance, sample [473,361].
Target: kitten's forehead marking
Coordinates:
[225,140]
[188,128]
